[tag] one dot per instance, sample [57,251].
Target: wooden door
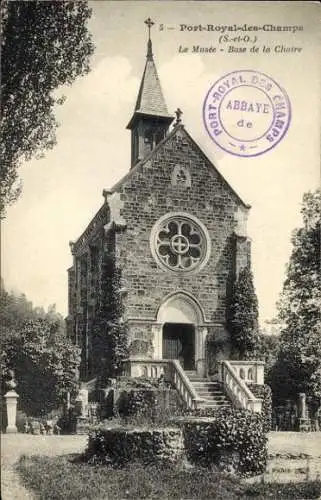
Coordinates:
[172,344]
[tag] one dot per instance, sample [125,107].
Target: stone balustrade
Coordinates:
[252,372]
[230,375]
[171,370]
[237,390]
[151,368]
[182,384]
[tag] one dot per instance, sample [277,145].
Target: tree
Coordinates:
[267,351]
[243,316]
[34,345]
[299,309]
[44,44]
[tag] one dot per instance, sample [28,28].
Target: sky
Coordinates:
[63,191]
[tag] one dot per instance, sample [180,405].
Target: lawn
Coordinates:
[63,478]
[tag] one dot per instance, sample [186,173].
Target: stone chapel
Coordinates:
[179,235]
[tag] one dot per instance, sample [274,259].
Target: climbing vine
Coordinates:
[110,330]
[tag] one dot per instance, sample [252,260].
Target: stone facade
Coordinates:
[142,198]
[174,180]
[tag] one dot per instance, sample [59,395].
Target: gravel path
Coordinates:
[295,443]
[15,445]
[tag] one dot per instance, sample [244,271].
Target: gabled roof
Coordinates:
[104,209]
[150,99]
[160,145]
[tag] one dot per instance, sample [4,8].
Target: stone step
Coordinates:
[208,395]
[208,388]
[202,380]
[211,387]
[210,392]
[203,387]
[213,405]
[214,400]
[206,383]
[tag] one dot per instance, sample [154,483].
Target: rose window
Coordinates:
[180,243]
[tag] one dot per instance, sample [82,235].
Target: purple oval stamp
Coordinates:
[246,113]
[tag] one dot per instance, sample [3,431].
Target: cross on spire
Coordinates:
[149,23]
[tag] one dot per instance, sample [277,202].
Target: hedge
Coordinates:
[264,392]
[141,402]
[119,446]
[234,439]
[153,405]
[260,391]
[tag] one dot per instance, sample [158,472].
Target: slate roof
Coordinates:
[150,99]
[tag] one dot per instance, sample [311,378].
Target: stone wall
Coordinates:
[150,191]
[148,194]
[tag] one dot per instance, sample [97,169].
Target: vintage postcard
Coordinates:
[182,160]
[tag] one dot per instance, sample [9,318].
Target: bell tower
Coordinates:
[151,120]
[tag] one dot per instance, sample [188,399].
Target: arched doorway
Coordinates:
[179,331]
[179,343]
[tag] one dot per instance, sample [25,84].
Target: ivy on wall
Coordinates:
[110,329]
[264,392]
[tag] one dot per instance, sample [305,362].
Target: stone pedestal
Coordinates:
[11,404]
[81,402]
[302,397]
[82,425]
[304,420]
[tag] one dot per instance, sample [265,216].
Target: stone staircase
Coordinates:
[210,392]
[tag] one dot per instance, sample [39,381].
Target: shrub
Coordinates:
[119,446]
[264,392]
[21,419]
[151,405]
[138,402]
[140,383]
[233,440]
[242,316]
[68,422]
[209,412]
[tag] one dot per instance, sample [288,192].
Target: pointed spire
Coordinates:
[150,99]
[149,50]
[151,120]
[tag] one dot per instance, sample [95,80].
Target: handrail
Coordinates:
[150,361]
[185,378]
[174,373]
[183,384]
[238,391]
[251,371]
[246,362]
[238,379]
